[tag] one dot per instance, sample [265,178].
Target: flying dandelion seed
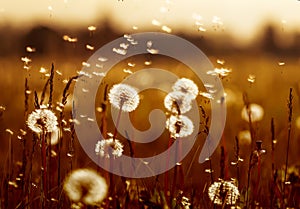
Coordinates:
[124,97]
[166,29]
[221,192]
[179,126]
[43,70]
[186,86]
[153,51]
[222,72]
[177,101]
[221,62]
[69,39]
[135,27]
[85,186]
[251,78]
[92,28]
[30,49]
[26,60]
[42,119]
[120,51]
[109,148]
[206,95]
[89,47]
[156,22]
[256,113]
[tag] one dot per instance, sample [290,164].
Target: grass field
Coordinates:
[260,182]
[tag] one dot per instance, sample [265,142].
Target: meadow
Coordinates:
[254,162]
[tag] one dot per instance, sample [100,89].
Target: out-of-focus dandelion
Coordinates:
[255,111]
[85,186]
[186,86]
[42,120]
[179,126]
[109,148]
[245,137]
[178,102]
[223,192]
[124,97]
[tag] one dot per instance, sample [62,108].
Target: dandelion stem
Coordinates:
[44,171]
[290,108]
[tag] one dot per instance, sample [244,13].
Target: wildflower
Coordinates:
[85,186]
[186,86]
[42,120]
[109,147]
[178,102]
[179,126]
[255,111]
[221,192]
[124,97]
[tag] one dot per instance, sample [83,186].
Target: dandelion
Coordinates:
[178,102]
[255,111]
[179,126]
[223,192]
[186,86]
[245,137]
[85,186]
[109,147]
[42,120]
[124,97]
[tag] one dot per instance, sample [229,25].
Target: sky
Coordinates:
[242,18]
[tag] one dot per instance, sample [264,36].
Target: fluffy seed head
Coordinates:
[42,119]
[177,100]
[85,186]
[179,126]
[221,192]
[256,113]
[186,86]
[109,148]
[124,97]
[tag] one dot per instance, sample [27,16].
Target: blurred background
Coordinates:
[258,41]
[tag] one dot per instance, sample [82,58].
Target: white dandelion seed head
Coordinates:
[42,119]
[109,148]
[187,86]
[221,192]
[179,126]
[178,100]
[86,186]
[256,113]
[123,96]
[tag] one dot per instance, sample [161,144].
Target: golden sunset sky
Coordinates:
[241,18]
